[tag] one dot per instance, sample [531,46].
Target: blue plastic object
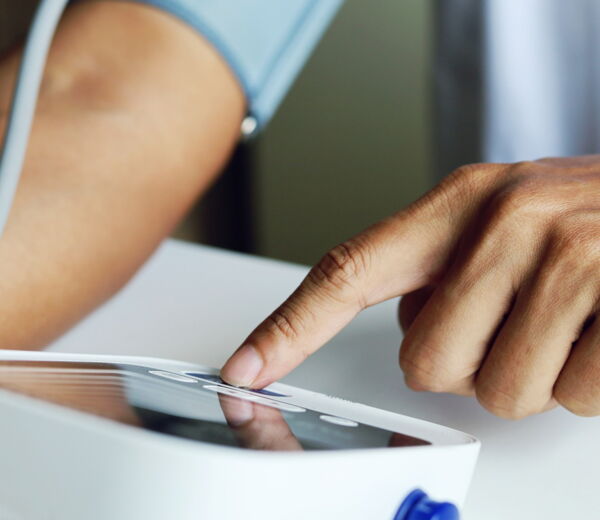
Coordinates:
[418,506]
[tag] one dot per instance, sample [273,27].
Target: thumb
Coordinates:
[395,256]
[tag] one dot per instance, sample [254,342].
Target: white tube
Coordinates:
[24,101]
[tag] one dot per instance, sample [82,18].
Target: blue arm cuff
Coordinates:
[265,42]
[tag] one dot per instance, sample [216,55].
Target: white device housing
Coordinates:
[61,464]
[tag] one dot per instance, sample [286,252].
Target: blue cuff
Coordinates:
[265,42]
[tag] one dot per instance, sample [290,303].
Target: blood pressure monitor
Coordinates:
[110,437]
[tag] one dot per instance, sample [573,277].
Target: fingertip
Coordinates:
[243,367]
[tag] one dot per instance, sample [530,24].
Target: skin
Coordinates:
[499,267]
[129,131]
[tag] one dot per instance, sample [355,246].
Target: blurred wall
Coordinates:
[351,142]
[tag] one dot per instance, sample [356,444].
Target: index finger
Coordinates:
[393,257]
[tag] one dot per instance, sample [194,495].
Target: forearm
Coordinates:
[136,117]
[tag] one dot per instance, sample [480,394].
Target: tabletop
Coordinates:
[197,304]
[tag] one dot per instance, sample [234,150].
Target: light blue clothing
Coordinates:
[516,80]
[538,80]
[542,79]
[265,42]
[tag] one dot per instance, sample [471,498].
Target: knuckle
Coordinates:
[475,172]
[548,159]
[342,267]
[466,173]
[424,376]
[525,198]
[505,404]
[573,237]
[283,323]
[470,179]
[574,402]
[525,168]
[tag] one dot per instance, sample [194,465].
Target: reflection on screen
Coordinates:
[131,395]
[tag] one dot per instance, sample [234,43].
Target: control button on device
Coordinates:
[340,421]
[216,379]
[175,377]
[419,506]
[242,394]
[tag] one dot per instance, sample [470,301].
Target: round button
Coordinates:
[340,421]
[175,377]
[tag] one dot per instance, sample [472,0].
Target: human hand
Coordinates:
[500,265]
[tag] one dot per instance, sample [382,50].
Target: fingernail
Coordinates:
[243,367]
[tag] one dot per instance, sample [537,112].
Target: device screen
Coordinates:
[194,406]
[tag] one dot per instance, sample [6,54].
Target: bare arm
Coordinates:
[137,115]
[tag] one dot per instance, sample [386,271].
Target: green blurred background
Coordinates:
[351,142]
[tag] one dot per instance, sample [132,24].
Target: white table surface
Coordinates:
[195,303]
